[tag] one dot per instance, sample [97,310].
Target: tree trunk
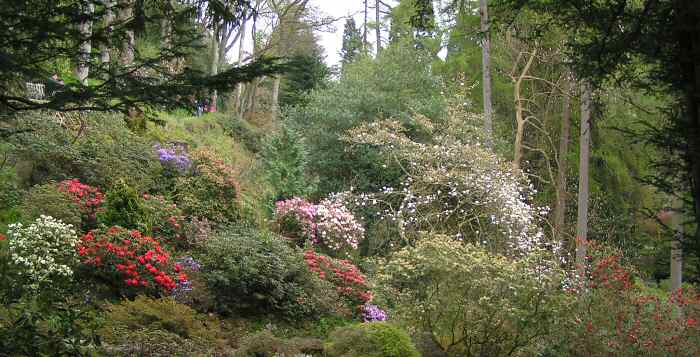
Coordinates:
[214,64]
[364,33]
[677,250]
[560,206]
[108,20]
[583,193]
[82,68]
[486,71]
[126,16]
[275,97]
[378,30]
[239,86]
[520,119]
[166,32]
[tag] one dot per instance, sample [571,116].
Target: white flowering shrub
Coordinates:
[43,252]
[452,187]
[337,227]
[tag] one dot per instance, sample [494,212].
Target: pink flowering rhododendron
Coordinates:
[329,224]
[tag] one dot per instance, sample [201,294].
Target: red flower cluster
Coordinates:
[139,259]
[168,220]
[2,237]
[346,277]
[89,198]
[612,310]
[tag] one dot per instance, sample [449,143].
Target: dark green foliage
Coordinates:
[243,131]
[352,43]
[256,273]
[309,73]
[423,18]
[97,149]
[49,201]
[53,328]
[286,163]
[10,197]
[374,339]
[264,343]
[39,35]
[396,85]
[123,207]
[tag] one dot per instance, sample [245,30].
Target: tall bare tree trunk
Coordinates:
[520,119]
[364,32]
[677,248]
[583,192]
[126,14]
[166,32]
[276,97]
[214,63]
[378,30]
[108,20]
[239,86]
[82,68]
[486,71]
[562,167]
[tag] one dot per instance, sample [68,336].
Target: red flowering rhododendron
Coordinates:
[347,278]
[2,237]
[89,198]
[138,260]
[615,315]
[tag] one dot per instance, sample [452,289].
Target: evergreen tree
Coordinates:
[423,18]
[352,42]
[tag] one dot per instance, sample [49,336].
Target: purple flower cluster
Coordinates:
[185,287]
[188,263]
[372,312]
[172,159]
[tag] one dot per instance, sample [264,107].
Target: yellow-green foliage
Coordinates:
[375,339]
[49,201]
[137,326]
[470,300]
[264,343]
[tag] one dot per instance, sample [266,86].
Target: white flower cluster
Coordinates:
[43,251]
[337,226]
[454,188]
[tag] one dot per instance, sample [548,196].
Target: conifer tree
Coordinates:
[352,42]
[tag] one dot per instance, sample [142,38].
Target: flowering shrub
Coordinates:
[48,200]
[349,282]
[211,191]
[329,224]
[44,251]
[371,312]
[296,218]
[138,262]
[184,287]
[452,187]
[88,198]
[613,315]
[173,160]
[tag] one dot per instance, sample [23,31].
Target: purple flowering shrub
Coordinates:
[329,224]
[371,312]
[184,288]
[173,159]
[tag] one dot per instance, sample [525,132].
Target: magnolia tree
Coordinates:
[452,187]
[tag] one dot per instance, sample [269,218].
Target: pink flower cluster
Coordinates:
[329,223]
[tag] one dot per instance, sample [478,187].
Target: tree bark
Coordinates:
[214,64]
[126,14]
[378,30]
[583,192]
[364,32]
[520,119]
[677,250]
[275,97]
[486,71]
[562,167]
[82,68]
[105,55]
[239,87]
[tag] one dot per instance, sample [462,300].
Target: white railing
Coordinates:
[35,90]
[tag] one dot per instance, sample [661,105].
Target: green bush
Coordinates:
[469,301]
[143,316]
[285,160]
[49,201]
[98,149]
[48,328]
[264,343]
[123,207]
[374,339]
[212,191]
[241,130]
[257,273]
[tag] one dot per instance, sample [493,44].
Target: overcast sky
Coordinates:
[332,42]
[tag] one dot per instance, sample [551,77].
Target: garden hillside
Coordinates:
[177,179]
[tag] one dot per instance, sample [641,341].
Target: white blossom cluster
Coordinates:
[43,251]
[459,189]
[337,226]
